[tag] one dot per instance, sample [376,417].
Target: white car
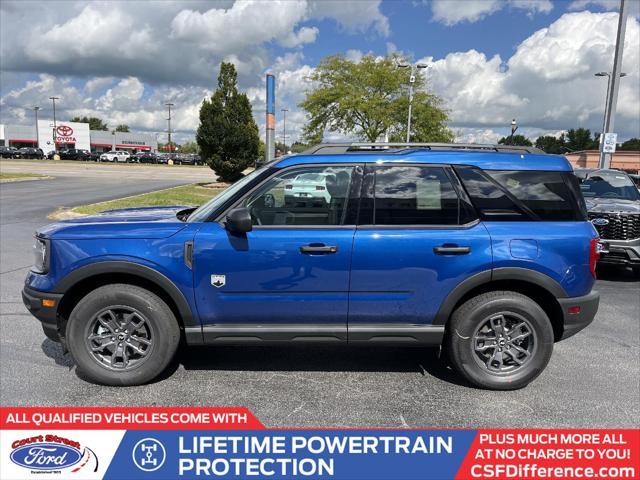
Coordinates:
[115,156]
[308,186]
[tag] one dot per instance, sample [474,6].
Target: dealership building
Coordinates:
[74,135]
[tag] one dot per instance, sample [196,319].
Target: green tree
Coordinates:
[520,140]
[95,123]
[551,144]
[368,99]
[228,134]
[299,147]
[580,139]
[631,144]
[189,147]
[122,128]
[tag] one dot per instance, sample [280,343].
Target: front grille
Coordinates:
[621,226]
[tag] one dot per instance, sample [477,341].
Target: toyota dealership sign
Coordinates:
[72,134]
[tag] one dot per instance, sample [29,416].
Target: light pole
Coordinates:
[55,133]
[412,80]
[284,128]
[514,127]
[606,104]
[35,109]
[169,126]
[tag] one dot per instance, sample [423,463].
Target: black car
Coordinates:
[30,152]
[613,206]
[74,154]
[146,157]
[8,152]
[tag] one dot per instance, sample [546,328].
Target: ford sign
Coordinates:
[46,456]
[600,222]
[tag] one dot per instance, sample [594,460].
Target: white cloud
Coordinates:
[633,6]
[451,12]
[548,83]
[353,16]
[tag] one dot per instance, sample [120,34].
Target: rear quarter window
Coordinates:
[524,195]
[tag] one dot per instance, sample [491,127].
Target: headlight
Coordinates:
[41,254]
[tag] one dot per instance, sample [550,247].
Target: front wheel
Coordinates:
[500,340]
[122,335]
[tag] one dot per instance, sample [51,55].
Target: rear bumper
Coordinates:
[575,322]
[47,316]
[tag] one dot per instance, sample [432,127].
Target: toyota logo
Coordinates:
[64,131]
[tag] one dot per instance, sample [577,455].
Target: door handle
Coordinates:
[318,249]
[452,250]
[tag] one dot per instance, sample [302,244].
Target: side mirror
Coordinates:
[239,221]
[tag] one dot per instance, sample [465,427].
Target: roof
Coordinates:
[487,157]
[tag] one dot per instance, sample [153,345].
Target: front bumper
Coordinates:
[621,252]
[574,322]
[32,299]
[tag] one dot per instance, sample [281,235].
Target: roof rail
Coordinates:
[355,147]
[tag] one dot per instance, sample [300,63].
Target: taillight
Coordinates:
[594,255]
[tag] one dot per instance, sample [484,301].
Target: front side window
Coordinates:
[309,196]
[414,195]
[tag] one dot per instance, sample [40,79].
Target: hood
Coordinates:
[612,205]
[147,222]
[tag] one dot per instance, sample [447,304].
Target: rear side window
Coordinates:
[522,195]
[414,195]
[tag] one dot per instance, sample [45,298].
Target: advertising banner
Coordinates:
[168,443]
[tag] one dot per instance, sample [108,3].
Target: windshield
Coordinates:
[204,211]
[600,184]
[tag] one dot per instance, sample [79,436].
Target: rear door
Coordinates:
[417,239]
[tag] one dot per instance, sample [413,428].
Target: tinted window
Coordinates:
[411,195]
[514,194]
[306,196]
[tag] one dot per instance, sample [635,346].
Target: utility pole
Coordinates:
[612,99]
[270,121]
[55,126]
[284,128]
[606,101]
[35,109]
[412,80]
[169,126]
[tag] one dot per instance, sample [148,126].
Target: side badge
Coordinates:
[218,280]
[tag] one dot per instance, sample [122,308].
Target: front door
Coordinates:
[288,278]
[418,240]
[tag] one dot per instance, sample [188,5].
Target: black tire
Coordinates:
[483,365]
[156,317]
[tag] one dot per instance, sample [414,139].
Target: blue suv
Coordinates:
[484,250]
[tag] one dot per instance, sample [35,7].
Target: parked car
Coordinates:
[636,180]
[162,158]
[8,152]
[30,152]
[115,156]
[74,154]
[308,187]
[484,250]
[613,204]
[147,157]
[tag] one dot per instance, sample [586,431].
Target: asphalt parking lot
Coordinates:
[593,379]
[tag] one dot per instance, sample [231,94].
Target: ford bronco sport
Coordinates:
[484,250]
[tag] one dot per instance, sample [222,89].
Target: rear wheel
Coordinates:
[500,340]
[122,335]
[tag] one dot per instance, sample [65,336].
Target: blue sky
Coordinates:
[490,60]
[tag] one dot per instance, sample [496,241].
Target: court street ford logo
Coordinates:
[600,222]
[46,453]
